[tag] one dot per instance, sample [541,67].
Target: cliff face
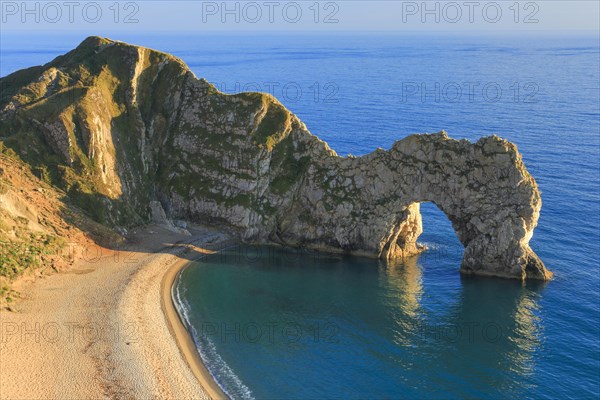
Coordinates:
[38,230]
[118,126]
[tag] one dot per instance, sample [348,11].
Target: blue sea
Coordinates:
[277,324]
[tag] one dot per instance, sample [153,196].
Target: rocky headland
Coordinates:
[128,135]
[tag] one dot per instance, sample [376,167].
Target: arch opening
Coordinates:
[438,232]
[424,226]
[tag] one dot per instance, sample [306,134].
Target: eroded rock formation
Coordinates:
[120,126]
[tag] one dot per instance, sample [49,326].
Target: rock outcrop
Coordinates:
[121,127]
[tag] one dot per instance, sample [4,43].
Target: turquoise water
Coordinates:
[416,330]
[301,325]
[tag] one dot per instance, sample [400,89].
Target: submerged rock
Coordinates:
[135,131]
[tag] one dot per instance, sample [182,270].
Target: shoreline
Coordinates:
[107,327]
[180,333]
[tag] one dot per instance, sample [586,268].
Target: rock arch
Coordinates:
[370,205]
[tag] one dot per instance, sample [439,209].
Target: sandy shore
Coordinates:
[106,328]
[180,333]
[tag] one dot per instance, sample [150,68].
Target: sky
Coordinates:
[106,17]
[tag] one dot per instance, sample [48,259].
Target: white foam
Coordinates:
[216,366]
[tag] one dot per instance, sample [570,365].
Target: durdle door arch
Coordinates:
[483,188]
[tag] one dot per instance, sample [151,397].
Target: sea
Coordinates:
[274,323]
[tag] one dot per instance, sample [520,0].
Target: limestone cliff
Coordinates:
[119,126]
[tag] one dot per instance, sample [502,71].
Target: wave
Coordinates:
[220,371]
